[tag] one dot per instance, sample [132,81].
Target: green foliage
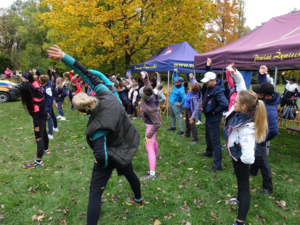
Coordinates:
[5,62]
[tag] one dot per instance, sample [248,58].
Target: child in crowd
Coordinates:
[133,96]
[192,105]
[46,89]
[151,117]
[60,95]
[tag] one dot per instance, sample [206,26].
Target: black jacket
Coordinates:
[123,140]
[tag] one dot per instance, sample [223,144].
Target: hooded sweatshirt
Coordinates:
[272,114]
[178,93]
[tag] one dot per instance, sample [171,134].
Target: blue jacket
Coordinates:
[272,114]
[216,102]
[178,93]
[47,90]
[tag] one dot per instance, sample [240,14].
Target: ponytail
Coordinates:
[261,122]
[249,98]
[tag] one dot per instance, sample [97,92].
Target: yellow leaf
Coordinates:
[190,168]
[157,222]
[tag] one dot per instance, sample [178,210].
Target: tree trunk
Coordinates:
[127,60]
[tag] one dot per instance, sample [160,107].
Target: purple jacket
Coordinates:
[195,104]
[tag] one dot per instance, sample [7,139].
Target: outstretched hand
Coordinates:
[283,73]
[230,69]
[208,62]
[263,70]
[55,53]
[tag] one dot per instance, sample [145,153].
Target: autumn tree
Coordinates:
[242,29]
[223,29]
[107,30]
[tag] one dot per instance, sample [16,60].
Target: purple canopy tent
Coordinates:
[275,44]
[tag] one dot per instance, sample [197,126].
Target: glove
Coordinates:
[37,134]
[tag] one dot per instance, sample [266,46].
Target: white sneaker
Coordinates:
[50,136]
[63,118]
[134,118]
[199,123]
[59,117]
[184,118]
[55,129]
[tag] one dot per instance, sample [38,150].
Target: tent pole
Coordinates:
[195,74]
[168,94]
[276,72]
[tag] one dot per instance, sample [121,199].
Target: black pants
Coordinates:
[212,136]
[43,144]
[190,127]
[99,180]
[242,175]
[261,163]
[133,110]
[284,101]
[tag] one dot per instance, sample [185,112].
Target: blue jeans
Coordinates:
[51,118]
[71,97]
[175,113]
[199,116]
[181,109]
[212,136]
[59,103]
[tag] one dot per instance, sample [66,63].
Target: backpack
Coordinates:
[289,113]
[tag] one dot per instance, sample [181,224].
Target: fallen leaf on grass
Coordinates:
[50,218]
[2,206]
[34,217]
[188,223]
[255,206]
[229,195]
[185,206]
[157,222]
[40,212]
[124,218]
[63,222]
[181,186]
[82,215]
[126,211]
[1,217]
[190,168]
[40,218]
[167,217]
[219,202]
[158,189]
[212,214]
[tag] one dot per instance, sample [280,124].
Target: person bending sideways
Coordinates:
[110,134]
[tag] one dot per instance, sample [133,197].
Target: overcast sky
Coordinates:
[257,11]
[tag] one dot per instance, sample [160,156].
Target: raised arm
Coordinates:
[192,79]
[175,75]
[102,77]
[283,78]
[208,65]
[262,74]
[158,78]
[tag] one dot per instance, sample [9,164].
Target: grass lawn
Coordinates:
[183,193]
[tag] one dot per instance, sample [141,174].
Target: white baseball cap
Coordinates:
[209,76]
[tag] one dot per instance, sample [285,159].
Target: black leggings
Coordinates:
[43,144]
[242,175]
[99,180]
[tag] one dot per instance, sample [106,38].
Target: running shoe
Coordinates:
[199,123]
[63,118]
[59,116]
[234,201]
[266,192]
[55,129]
[46,152]
[148,176]
[131,201]
[50,136]
[35,164]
